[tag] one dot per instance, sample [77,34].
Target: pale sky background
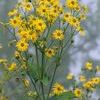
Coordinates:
[93,53]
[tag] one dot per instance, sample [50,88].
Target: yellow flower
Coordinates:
[34,37]
[55,11]
[2,60]
[42,10]
[15,22]
[26,82]
[98,68]
[82,78]
[42,43]
[42,2]
[23,34]
[53,14]
[31,93]
[39,26]
[27,6]
[58,89]
[96,80]
[49,52]
[78,92]
[12,67]
[88,85]
[74,21]
[53,2]
[51,17]
[32,20]
[72,4]
[58,35]
[78,8]
[28,35]
[85,9]
[89,66]
[48,2]
[12,12]
[22,45]
[17,54]
[82,17]
[69,76]
[81,30]
[67,17]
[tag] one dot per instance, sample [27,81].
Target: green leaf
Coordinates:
[45,80]
[33,70]
[64,96]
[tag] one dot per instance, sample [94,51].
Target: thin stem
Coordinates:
[51,83]
[34,84]
[69,40]
[57,66]
[49,27]
[42,66]
[51,44]
[13,33]
[42,74]
[66,28]
[42,87]
[37,58]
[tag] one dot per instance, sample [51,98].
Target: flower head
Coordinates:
[78,92]
[27,6]
[22,45]
[12,12]
[58,89]
[88,65]
[49,52]
[26,82]
[69,76]
[88,85]
[15,22]
[58,35]
[72,4]
[82,78]
[12,67]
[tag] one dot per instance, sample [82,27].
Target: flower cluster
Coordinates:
[30,19]
[81,86]
[41,31]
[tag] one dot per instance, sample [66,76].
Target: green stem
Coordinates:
[51,44]
[34,84]
[66,28]
[37,59]
[42,75]
[51,83]
[69,40]
[49,27]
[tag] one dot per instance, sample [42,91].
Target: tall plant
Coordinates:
[42,30]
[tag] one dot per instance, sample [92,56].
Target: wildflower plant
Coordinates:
[42,31]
